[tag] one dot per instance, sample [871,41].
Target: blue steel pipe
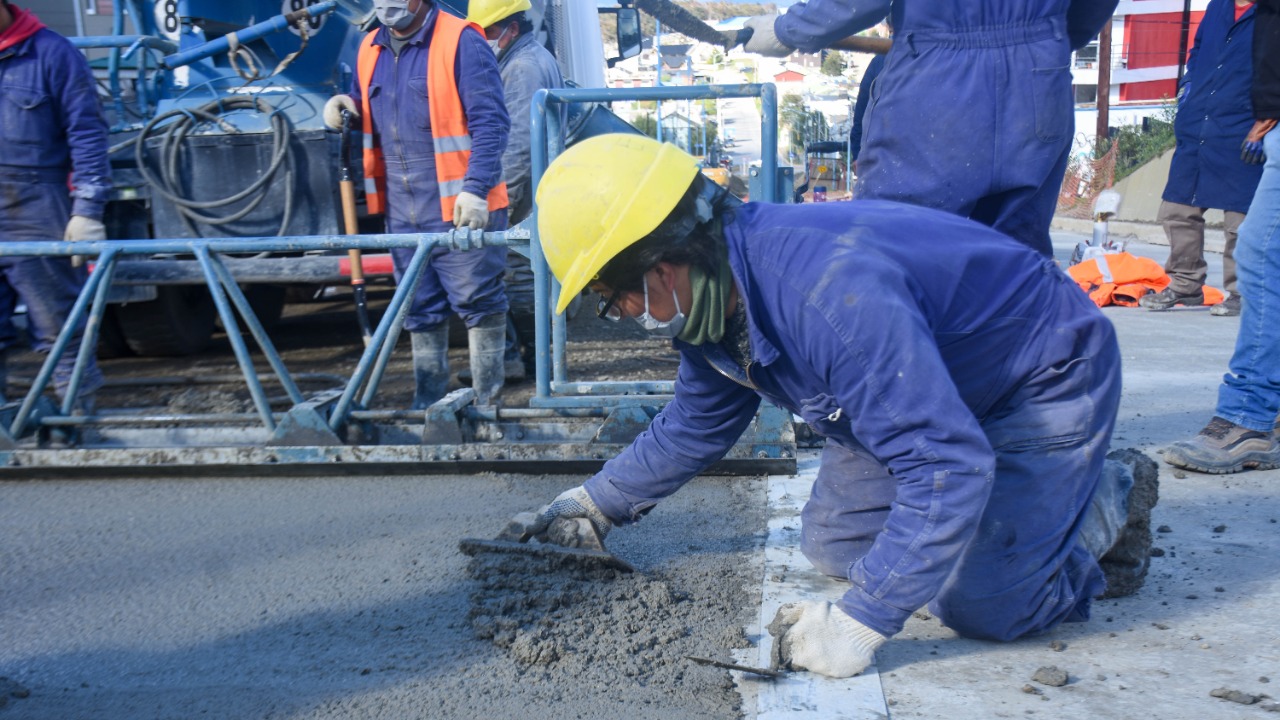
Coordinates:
[399,307]
[400,312]
[89,340]
[541,285]
[232,328]
[549,330]
[101,272]
[285,243]
[221,45]
[132,42]
[259,333]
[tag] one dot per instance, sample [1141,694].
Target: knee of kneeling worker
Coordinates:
[975,619]
[832,558]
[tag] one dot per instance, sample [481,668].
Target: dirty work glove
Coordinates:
[333,108]
[470,211]
[763,40]
[84,228]
[575,503]
[1251,149]
[820,637]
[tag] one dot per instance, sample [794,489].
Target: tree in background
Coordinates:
[803,125]
[832,62]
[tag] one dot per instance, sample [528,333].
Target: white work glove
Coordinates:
[84,228]
[763,40]
[470,211]
[333,108]
[572,504]
[820,637]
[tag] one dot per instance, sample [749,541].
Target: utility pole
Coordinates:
[1104,83]
[1184,34]
[657,46]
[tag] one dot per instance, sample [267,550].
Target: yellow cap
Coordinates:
[602,195]
[487,12]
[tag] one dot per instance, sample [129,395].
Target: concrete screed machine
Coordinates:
[225,198]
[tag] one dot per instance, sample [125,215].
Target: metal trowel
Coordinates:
[573,538]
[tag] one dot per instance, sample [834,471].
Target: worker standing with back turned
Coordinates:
[974,112]
[967,422]
[526,67]
[53,131]
[429,99]
[1214,115]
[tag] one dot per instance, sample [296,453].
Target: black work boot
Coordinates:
[1126,563]
[1169,297]
[1227,308]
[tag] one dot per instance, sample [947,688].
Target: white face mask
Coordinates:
[393,13]
[661,328]
[496,45]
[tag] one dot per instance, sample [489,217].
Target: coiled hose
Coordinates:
[184,122]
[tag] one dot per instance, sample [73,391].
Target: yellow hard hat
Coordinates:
[602,195]
[487,12]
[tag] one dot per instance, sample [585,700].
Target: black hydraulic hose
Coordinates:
[184,122]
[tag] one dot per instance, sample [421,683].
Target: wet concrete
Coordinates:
[340,598]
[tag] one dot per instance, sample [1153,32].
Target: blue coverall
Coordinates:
[869,76]
[967,398]
[53,132]
[1214,115]
[973,113]
[469,282]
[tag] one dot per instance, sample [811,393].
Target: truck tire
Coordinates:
[111,342]
[178,322]
[267,302]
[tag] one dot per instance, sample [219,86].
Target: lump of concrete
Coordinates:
[1051,676]
[1235,696]
[1031,689]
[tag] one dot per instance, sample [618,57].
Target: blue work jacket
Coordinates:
[401,119]
[813,25]
[1215,112]
[526,67]
[52,127]
[862,327]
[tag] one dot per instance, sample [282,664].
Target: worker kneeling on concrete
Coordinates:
[967,397]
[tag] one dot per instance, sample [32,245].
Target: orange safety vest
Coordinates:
[1122,278]
[448,120]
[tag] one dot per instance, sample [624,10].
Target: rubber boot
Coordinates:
[1126,563]
[487,342]
[430,365]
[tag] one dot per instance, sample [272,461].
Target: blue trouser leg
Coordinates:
[49,287]
[1025,570]
[1002,160]
[467,282]
[846,509]
[1250,393]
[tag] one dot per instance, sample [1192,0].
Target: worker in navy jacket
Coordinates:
[966,420]
[1214,115]
[54,183]
[429,99]
[974,112]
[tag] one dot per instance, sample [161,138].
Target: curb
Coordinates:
[1150,233]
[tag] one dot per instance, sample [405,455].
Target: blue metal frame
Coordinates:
[553,387]
[230,301]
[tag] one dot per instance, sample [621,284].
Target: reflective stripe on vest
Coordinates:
[452,141]
[375,168]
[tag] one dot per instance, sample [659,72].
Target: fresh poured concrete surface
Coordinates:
[340,597]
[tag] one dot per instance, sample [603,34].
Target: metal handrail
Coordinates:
[553,388]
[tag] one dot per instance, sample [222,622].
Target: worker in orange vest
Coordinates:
[429,99]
